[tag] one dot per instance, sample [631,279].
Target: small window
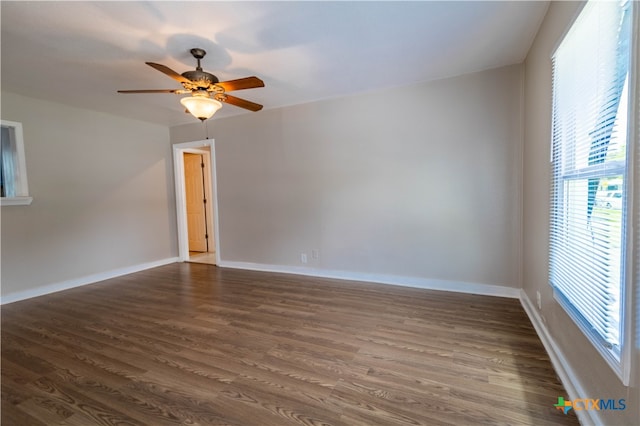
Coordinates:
[14,189]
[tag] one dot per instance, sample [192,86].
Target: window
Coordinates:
[590,164]
[13,171]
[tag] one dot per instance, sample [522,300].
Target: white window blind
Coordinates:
[14,189]
[589,166]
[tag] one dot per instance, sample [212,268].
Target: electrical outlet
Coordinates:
[303,257]
[315,254]
[538,300]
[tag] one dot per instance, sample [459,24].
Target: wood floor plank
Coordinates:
[195,344]
[13,415]
[285,407]
[73,399]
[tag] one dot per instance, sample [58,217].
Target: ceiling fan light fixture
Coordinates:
[201,107]
[207,92]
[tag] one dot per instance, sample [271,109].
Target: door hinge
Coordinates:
[202,165]
[204,201]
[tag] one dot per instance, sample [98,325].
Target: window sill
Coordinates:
[15,201]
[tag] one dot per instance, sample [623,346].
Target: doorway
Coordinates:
[196,202]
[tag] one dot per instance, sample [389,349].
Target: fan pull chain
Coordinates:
[206,129]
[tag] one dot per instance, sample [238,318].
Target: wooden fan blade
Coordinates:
[168,71]
[241,83]
[149,91]
[242,103]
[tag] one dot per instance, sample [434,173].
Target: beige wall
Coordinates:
[102,196]
[592,374]
[420,181]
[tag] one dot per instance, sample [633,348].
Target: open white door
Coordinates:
[206,148]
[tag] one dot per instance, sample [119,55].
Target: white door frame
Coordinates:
[181,204]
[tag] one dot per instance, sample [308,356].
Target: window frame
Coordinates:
[631,294]
[631,213]
[22,197]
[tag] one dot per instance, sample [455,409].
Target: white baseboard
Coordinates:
[425,283]
[77,282]
[566,374]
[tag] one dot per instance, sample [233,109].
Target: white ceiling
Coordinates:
[80,53]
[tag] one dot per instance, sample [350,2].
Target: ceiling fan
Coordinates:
[207,92]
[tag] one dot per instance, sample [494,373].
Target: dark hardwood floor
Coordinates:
[200,345]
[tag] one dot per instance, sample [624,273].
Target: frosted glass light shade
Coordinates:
[201,107]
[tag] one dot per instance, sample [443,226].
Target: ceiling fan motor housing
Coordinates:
[200,79]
